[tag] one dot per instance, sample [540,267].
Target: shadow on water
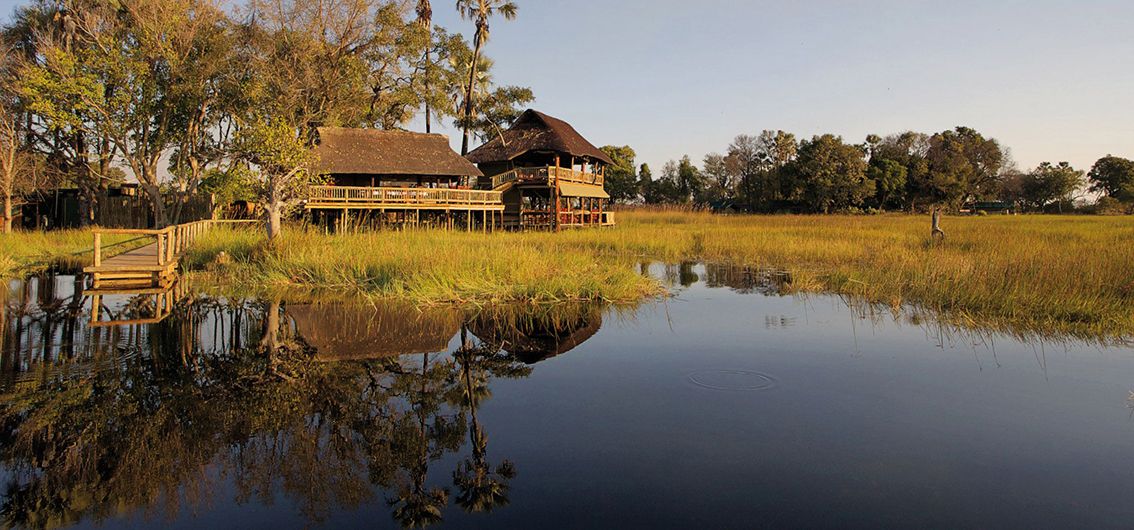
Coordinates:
[328,406]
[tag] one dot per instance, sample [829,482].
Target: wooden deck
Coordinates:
[351,197]
[153,265]
[546,175]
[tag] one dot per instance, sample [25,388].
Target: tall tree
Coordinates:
[963,165]
[479,11]
[832,173]
[425,20]
[720,174]
[135,73]
[1114,177]
[1052,183]
[621,180]
[760,161]
[63,131]
[16,172]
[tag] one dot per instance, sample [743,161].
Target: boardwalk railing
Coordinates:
[157,261]
[548,174]
[426,198]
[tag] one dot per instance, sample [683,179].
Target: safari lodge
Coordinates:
[538,174]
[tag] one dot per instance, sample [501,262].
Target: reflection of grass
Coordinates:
[1061,273]
[29,252]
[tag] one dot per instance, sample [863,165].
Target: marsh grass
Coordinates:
[1068,274]
[23,253]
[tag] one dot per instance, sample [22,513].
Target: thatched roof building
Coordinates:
[536,133]
[367,157]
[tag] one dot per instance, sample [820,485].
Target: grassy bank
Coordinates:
[424,266]
[1060,274]
[23,253]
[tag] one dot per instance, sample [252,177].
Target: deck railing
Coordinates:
[347,196]
[549,174]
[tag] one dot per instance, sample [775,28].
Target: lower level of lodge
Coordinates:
[513,205]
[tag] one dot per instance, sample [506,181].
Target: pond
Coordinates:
[727,405]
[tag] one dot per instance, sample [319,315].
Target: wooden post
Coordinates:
[97,249]
[160,252]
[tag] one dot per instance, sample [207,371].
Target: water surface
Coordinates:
[725,406]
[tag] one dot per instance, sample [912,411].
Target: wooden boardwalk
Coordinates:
[153,265]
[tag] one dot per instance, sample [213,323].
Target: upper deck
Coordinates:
[548,175]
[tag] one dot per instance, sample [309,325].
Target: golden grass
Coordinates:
[23,253]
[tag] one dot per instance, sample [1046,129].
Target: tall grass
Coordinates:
[1059,273]
[424,266]
[23,253]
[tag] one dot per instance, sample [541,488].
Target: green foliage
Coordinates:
[1114,177]
[235,183]
[621,182]
[962,165]
[890,178]
[282,160]
[1051,183]
[832,174]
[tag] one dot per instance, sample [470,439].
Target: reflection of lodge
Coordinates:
[550,176]
[355,332]
[541,337]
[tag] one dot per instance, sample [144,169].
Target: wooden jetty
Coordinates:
[154,264]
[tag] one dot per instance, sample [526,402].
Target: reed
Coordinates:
[23,253]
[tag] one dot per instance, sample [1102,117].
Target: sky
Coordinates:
[1052,80]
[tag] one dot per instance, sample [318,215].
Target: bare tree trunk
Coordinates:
[937,231]
[153,192]
[7,213]
[274,224]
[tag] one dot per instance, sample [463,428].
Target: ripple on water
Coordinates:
[740,380]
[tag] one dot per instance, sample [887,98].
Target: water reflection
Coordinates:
[166,403]
[331,406]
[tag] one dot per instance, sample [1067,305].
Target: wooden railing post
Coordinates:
[97,249]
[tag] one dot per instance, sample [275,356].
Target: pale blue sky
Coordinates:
[1052,80]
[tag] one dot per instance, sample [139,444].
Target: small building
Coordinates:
[397,177]
[550,176]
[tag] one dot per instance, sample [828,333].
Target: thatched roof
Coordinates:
[536,131]
[374,152]
[357,332]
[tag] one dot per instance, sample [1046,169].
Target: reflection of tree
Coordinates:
[424,434]
[227,390]
[482,487]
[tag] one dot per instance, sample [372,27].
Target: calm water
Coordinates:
[727,406]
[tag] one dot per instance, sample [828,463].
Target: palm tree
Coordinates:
[479,11]
[425,20]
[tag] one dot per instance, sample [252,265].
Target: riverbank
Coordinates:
[1059,274]
[1051,274]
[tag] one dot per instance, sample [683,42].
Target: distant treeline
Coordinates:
[775,172]
[205,95]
